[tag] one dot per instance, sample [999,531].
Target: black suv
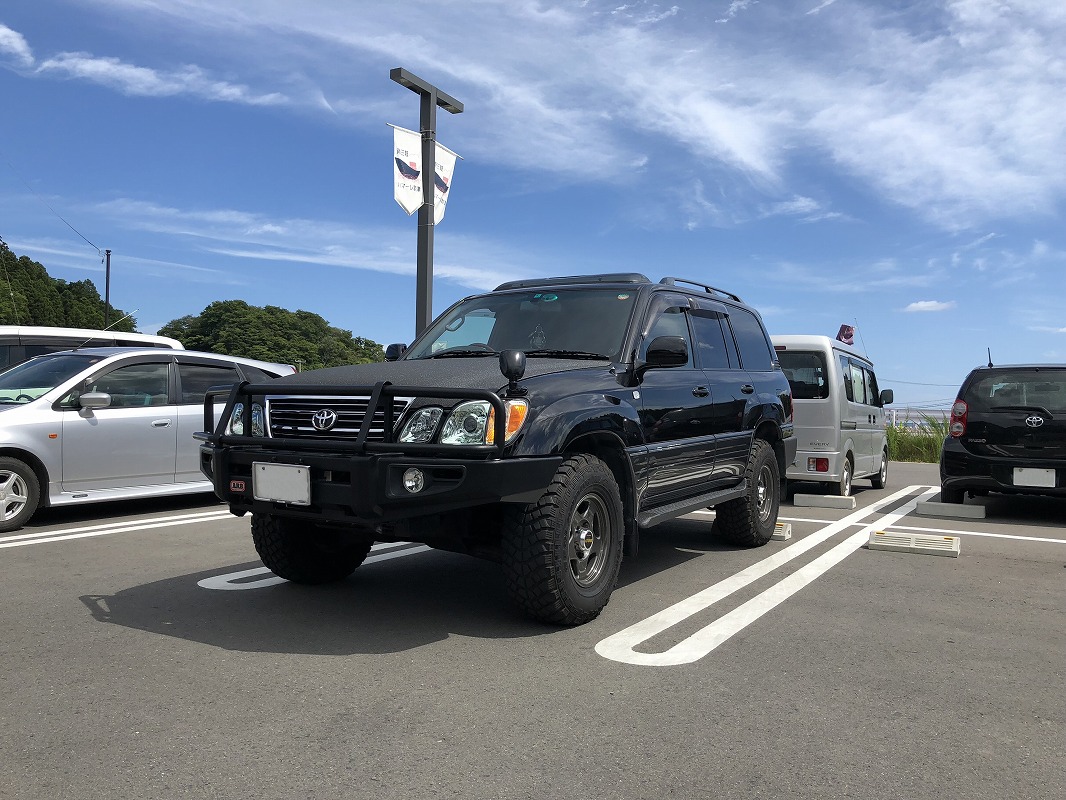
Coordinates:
[542,425]
[1007,433]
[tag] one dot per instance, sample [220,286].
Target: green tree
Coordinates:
[271,333]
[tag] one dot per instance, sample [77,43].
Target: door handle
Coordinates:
[161,423]
[747,388]
[700,391]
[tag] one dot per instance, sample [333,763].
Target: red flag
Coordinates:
[846,334]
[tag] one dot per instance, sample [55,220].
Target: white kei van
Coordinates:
[838,412]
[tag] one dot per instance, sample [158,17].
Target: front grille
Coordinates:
[291,417]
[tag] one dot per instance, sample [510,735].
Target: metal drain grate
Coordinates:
[915,543]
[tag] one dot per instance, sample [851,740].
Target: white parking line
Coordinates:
[234,581]
[23,539]
[620,646]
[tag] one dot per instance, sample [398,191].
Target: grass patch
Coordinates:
[917,444]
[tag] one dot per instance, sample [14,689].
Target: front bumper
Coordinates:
[369,490]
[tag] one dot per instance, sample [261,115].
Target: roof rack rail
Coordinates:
[612,277]
[704,286]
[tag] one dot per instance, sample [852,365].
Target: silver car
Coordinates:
[109,423]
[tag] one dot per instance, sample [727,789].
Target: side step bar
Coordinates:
[653,516]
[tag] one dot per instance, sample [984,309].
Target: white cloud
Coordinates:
[930,305]
[235,234]
[134,80]
[952,109]
[14,46]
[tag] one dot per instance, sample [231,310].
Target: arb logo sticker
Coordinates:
[236,486]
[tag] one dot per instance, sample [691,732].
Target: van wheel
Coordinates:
[20,494]
[842,488]
[880,480]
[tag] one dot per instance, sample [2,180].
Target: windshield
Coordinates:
[565,322]
[31,379]
[1026,388]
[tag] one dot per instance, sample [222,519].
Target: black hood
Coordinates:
[482,372]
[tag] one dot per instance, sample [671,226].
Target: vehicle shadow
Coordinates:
[385,607]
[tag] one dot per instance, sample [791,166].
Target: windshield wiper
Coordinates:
[1038,409]
[546,353]
[461,352]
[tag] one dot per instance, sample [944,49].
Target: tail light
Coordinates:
[957,423]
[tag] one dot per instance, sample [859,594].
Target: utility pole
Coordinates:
[431,97]
[107,288]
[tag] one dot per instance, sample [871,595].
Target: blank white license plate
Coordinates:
[281,483]
[1040,478]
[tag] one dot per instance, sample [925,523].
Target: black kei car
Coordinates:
[1007,433]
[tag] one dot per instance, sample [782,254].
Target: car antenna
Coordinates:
[990,356]
[116,322]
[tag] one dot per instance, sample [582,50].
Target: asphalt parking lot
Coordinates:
[147,653]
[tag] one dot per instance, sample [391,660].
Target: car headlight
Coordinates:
[474,422]
[236,420]
[421,425]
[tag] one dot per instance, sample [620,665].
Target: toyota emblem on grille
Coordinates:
[1034,421]
[326,418]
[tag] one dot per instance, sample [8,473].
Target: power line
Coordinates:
[99,252]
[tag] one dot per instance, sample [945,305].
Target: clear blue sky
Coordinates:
[896,165]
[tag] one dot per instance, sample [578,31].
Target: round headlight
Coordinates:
[467,424]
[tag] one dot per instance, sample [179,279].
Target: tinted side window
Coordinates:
[710,341]
[135,385]
[873,396]
[196,379]
[858,384]
[845,372]
[755,350]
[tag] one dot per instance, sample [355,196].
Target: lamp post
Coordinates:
[431,97]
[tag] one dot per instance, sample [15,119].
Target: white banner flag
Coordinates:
[442,180]
[406,169]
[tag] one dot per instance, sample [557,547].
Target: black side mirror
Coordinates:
[667,351]
[394,351]
[886,396]
[513,367]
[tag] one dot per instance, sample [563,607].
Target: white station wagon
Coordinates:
[109,423]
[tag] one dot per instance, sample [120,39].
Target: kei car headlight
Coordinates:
[474,422]
[236,420]
[421,425]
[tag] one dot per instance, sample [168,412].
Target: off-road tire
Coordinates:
[750,521]
[561,554]
[302,552]
[842,488]
[953,496]
[20,493]
[880,480]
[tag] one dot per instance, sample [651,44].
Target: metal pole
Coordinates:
[431,97]
[107,290]
[424,270]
